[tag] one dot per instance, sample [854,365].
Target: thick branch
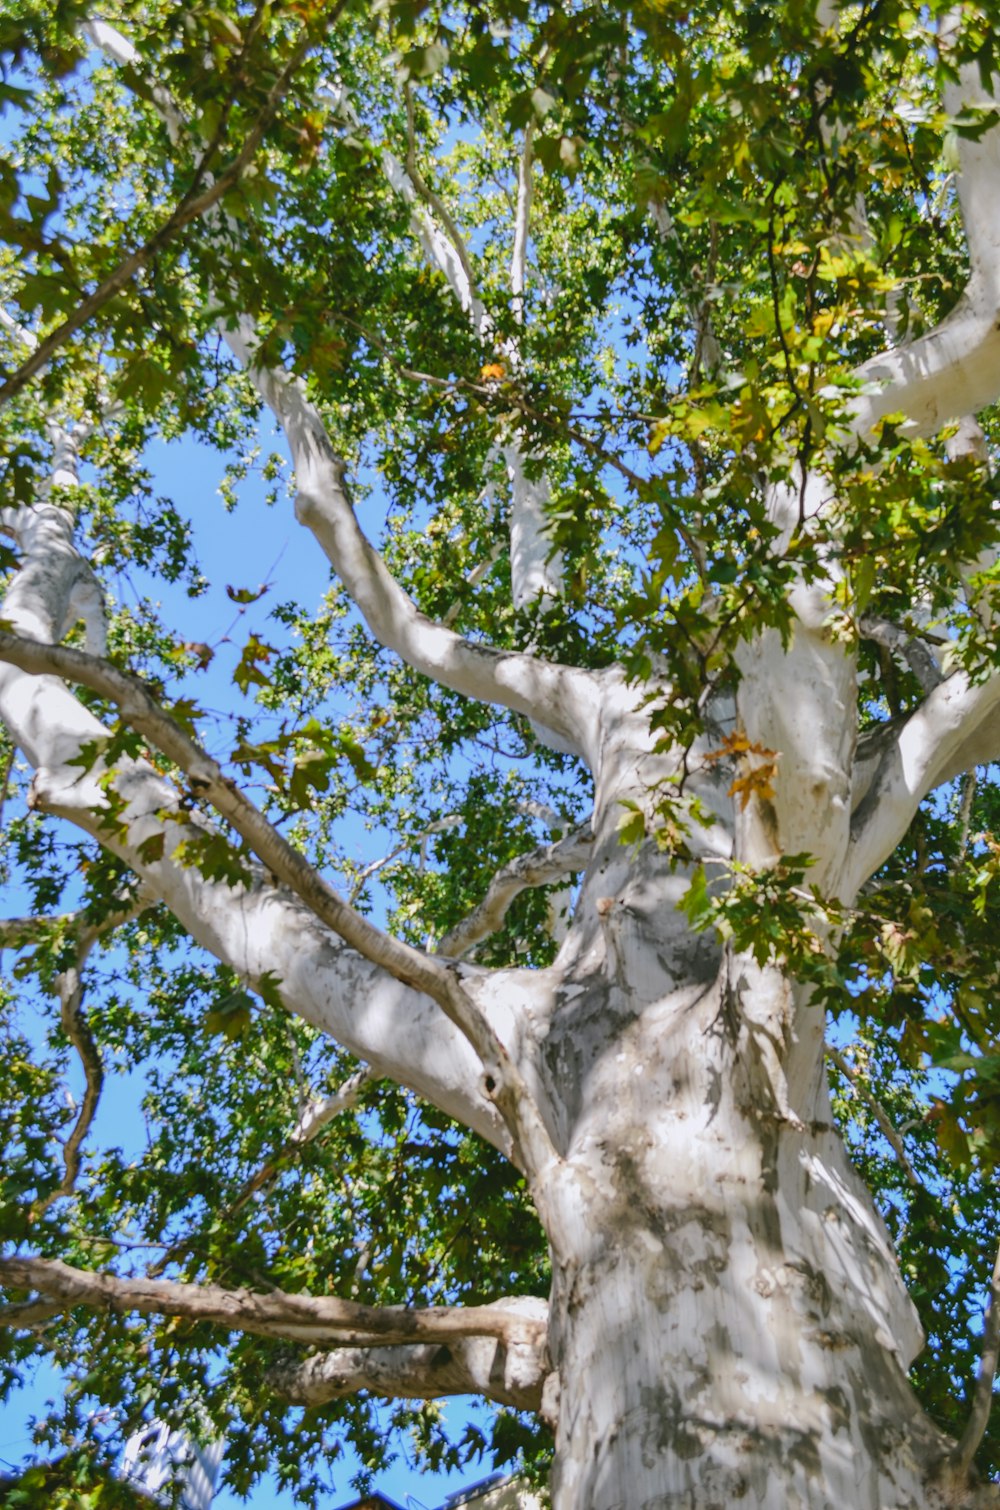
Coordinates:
[439,981]
[509,1372]
[258,929]
[294,1318]
[556,696]
[954,370]
[142,712]
[539,867]
[559,697]
[953,729]
[914,652]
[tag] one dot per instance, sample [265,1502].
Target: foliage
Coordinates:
[751,129]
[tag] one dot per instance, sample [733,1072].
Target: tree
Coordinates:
[659,349]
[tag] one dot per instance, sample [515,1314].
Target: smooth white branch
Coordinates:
[954,370]
[561,698]
[536,570]
[908,648]
[558,697]
[510,1370]
[441,982]
[956,727]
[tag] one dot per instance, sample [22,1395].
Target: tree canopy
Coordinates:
[549,298]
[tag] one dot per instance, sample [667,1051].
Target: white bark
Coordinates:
[561,697]
[255,930]
[536,570]
[938,741]
[520,682]
[511,1370]
[954,370]
[539,867]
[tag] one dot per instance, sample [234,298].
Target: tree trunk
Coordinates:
[728,1322]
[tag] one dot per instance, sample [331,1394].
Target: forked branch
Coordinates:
[559,697]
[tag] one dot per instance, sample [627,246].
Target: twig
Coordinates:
[365,875]
[982,1391]
[316,1116]
[881,1116]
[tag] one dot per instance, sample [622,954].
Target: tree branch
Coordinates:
[510,1371]
[913,651]
[954,370]
[437,207]
[956,726]
[538,867]
[258,929]
[293,1318]
[982,1393]
[142,712]
[559,697]
[315,1117]
[436,979]
[522,223]
[69,984]
[536,572]
[886,1128]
